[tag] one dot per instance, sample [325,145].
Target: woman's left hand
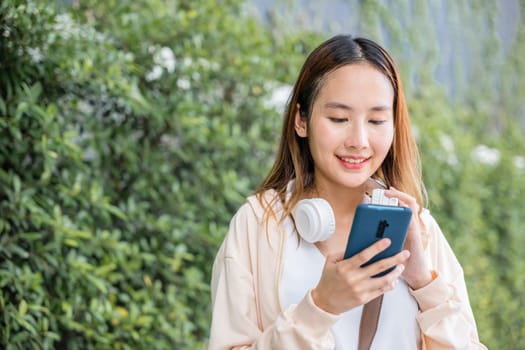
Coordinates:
[417,272]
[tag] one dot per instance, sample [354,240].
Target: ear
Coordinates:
[300,124]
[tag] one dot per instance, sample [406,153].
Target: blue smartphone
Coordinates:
[373,222]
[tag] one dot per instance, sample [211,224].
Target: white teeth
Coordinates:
[353,161]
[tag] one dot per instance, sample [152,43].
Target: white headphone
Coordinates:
[315,219]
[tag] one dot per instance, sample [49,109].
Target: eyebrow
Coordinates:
[339,105]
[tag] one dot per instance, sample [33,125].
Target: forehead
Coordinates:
[357,85]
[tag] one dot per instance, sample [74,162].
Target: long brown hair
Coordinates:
[401,167]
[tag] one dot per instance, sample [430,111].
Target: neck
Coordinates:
[343,201]
[344,204]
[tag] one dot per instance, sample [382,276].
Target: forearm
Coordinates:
[445,317]
[301,326]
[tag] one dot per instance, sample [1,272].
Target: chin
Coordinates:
[355,183]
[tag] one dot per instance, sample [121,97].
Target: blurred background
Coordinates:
[131,131]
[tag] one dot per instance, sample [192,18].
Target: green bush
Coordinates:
[117,183]
[130,131]
[478,205]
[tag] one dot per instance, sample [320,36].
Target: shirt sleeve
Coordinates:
[445,318]
[236,321]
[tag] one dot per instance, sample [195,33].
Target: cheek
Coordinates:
[324,138]
[383,141]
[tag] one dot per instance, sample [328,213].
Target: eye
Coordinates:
[337,120]
[377,121]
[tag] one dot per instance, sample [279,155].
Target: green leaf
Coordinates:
[22,308]
[3,109]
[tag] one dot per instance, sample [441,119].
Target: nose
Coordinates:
[356,135]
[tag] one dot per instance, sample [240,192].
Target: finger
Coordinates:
[413,206]
[389,281]
[416,215]
[368,253]
[386,263]
[402,195]
[404,199]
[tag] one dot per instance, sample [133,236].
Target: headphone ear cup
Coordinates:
[314,219]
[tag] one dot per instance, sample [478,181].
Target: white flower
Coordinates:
[448,145]
[519,162]
[486,155]
[170,141]
[447,142]
[163,59]
[154,74]
[166,59]
[187,61]
[85,107]
[66,28]
[152,49]
[279,97]
[415,131]
[64,24]
[183,83]
[208,65]
[35,54]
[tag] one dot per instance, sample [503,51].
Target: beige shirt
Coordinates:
[247,312]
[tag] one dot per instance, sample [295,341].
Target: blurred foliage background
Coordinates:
[131,131]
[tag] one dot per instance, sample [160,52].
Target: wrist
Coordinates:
[316,299]
[309,317]
[423,280]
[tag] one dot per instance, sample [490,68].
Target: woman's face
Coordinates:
[351,127]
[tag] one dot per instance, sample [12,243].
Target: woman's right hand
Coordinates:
[344,284]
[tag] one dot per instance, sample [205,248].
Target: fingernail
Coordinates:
[401,268]
[394,283]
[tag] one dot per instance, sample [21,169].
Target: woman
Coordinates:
[346,122]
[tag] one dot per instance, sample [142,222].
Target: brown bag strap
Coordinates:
[369,322]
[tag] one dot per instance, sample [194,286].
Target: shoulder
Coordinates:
[249,222]
[255,207]
[263,202]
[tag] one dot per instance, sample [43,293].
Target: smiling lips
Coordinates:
[353,162]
